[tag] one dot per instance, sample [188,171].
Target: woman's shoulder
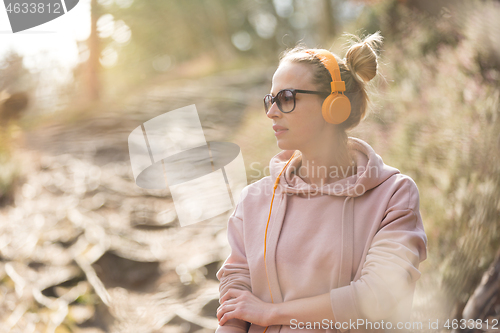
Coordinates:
[254,195]
[257,188]
[404,192]
[264,181]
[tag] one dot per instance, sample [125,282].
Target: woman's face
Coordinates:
[305,125]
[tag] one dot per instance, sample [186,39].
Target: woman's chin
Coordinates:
[284,145]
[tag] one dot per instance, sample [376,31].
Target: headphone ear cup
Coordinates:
[336,108]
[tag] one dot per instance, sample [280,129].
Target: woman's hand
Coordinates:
[244,305]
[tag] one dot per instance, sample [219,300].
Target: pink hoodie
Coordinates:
[361,239]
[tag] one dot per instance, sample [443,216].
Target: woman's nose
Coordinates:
[274,111]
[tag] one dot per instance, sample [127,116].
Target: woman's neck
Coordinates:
[326,165]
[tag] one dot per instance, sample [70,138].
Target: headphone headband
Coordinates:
[329,61]
[336,108]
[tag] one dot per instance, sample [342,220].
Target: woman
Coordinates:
[344,237]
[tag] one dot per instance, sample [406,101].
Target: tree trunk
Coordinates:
[328,29]
[485,299]
[93,65]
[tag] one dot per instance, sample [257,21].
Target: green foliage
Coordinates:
[178,32]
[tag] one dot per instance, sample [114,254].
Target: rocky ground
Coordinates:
[84,249]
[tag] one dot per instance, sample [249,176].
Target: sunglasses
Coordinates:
[285,99]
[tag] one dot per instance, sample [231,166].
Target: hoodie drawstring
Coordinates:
[347,249]
[346,254]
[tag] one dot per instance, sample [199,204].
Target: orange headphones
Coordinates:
[335,109]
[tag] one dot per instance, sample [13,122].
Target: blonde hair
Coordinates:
[357,68]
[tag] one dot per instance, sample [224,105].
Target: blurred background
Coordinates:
[84,249]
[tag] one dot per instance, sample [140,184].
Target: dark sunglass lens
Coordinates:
[267,102]
[286,100]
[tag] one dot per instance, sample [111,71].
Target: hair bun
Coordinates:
[361,58]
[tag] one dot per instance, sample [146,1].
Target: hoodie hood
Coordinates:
[371,171]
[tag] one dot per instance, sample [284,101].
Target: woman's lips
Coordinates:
[280,132]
